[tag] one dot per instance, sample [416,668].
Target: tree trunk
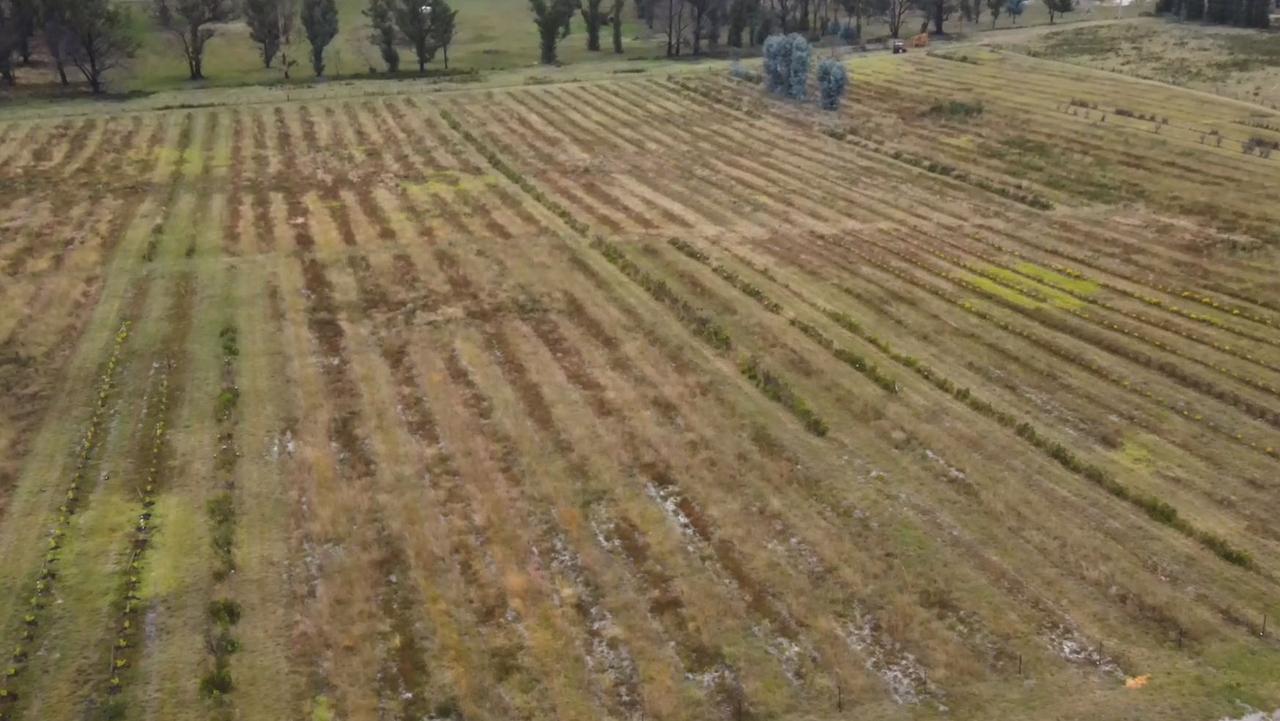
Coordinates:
[671,28]
[195,54]
[593,19]
[446,56]
[617,28]
[937,17]
[548,43]
[62,72]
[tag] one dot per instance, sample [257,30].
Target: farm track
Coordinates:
[644,399]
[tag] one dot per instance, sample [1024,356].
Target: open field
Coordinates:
[645,398]
[1233,62]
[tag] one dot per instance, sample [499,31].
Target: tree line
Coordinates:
[91,37]
[1243,13]
[693,25]
[427,26]
[94,37]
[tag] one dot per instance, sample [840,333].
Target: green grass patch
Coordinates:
[1135,454]
[1056,298]
[1075,285]
[994,288]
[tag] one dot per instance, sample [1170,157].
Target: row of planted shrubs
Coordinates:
[701,325]
[1030,199]
[223,613]
[844,355]
[1157,509]
[130,601]
[48,574]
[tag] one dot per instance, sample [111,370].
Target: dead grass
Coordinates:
[649,399]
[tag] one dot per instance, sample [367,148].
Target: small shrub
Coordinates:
[216,683]
[957,109]
[226,403]
[224,612]
[833,80]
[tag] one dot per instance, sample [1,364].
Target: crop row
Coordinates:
[1066,353]
[1028,198]
[777,390]
[852,135]
[129,604]
[221,510]
[43,587]
[1002,276]
[844,355]
[700,324]
[1165,367]
[1153,507]
[1150,300]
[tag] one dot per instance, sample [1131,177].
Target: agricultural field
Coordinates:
[1232,62]
[645,398]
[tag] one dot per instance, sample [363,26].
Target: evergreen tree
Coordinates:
[262,17]
[414,19]
[833,80]
[320,21]
[444,21]
[383,35]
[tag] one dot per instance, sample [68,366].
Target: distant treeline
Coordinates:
[1244,13]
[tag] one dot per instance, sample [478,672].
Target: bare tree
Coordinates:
[615,23]
[938,12]
[674,18]
[57,36]
[856,9]
[701,13]
[23,17]
[9,42]
[101,39]
[189,21]
[286,23]
[444,23]
[894,11]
